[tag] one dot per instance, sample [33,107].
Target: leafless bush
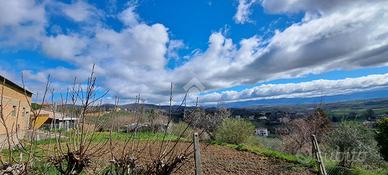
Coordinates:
[112,120]
[208,122]
[165,160]
[297,135]
[76,151]
[72,156]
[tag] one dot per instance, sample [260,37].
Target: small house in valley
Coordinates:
[262,132]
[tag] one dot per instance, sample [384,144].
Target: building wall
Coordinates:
[16,110]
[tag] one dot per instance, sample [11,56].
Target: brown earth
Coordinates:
[222,160]
[216,160]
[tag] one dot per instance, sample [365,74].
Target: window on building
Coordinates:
[25,112]
[13,111]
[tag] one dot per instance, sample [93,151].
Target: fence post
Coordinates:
[197,154]
[317,153]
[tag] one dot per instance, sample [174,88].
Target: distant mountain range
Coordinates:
[344,103]
[369,95]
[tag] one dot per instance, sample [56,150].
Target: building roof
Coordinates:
[14,85]
[56,116]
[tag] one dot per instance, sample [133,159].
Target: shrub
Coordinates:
[181,128]
[382,137]
[297,135]
[354,143]
[112,121]
[338,170]
[369,114]
[267,142]
[235,131]
[207,122]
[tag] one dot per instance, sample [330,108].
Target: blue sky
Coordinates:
[233,50]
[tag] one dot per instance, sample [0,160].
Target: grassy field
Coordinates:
[346,111]
[269,147]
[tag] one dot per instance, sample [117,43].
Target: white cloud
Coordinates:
[79,11]
[128,16]
[16,12]
[342,39]
[243,11]
[59,74]
[141,45]
[173,47]
[315,88]
[22,23]
[9,74]
[221,57]
[63,46]
[133,59]
[310,6]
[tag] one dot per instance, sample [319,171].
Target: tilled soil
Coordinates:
[216,160]
[222,160]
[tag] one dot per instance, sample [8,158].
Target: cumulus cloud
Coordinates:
[315,88]
[173,47]
[338,39]
[221,57]
[243,11]
[20,11]
[133,59]
[128,16]
[141,45]
[63,46]
[22,22]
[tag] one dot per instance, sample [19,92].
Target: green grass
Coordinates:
[97,138]
[42,167]
[360,171]
[356,169]
[303,161]
[118,136]
[346,111]
[331,168]
[270,142]
[297,159]
[137,136]
[17,152]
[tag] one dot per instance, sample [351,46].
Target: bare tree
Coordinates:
[297,137]
[74,154]
[207,122]
[166,159]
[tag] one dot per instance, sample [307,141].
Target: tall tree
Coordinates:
[382,137]
[369,114]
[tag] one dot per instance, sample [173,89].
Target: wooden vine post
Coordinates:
[197,154]
[317,154]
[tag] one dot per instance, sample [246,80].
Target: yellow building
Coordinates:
[48,120]
[14,110]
